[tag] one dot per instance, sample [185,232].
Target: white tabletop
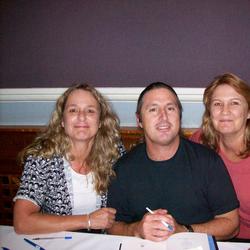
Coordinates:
[81,241]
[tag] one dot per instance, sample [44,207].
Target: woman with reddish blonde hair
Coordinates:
[226,129]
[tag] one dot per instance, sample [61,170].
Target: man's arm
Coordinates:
[223,227]
[123,228]
[150,227]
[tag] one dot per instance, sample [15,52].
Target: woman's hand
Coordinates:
[102,218]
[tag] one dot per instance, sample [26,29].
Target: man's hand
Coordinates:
[152,228]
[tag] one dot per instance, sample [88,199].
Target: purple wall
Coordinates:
[123,43]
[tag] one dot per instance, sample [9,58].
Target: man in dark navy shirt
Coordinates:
[185,184]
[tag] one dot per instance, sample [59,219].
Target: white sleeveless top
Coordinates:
[85,198]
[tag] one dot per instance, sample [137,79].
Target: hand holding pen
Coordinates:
[156,225]
[167,225]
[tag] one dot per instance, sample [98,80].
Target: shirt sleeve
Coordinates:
[33,181]
[196,136]
[221,194]
[121,149]
[117,197]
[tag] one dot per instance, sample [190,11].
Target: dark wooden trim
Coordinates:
[13,139]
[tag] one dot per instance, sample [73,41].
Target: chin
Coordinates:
[166,141]
[226,131]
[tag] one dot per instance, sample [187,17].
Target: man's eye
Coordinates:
[235,103]
[152,110]
[171,108]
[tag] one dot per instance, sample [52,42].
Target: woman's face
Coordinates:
[229,111]
[81,117]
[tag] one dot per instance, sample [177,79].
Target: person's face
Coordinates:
[160,117]
[81,116]
[229,111]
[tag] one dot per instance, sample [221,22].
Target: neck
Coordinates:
[80,149]
[231,146]
[158,152]
[79,154]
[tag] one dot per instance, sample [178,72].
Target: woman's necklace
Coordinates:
[80,168]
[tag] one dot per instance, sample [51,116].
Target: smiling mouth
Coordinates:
[81,126]
[226,120]
[163,127]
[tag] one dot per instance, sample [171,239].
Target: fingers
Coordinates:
[111,216]
[162,214]
[161,211]
[153,228]
[157,235]
[161,222]
[109,209]
[110,213]
[103,218]
[154,231]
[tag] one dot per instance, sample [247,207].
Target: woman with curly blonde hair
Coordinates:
[226,129]
[68,167]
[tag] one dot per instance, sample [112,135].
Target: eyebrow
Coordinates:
[88,106]
[233,98]
[156,104]
[73,104]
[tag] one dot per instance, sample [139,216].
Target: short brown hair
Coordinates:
[157,85]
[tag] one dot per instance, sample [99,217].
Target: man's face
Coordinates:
[160,117]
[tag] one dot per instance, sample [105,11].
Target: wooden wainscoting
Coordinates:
[12,140]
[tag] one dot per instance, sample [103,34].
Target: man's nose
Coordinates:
[164,114]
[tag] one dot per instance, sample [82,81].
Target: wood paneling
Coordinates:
[13,140]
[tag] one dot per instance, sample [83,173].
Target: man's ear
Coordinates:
[138,121]
[62,123]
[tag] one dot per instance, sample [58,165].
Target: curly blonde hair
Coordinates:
[105,150]
[209,135]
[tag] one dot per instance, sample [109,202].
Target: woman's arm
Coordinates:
[29,220]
